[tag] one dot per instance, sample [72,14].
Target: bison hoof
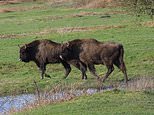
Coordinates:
[47,76]
[65,77]
[84,78]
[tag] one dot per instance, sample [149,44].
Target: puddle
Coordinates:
[15,102]
[20,101]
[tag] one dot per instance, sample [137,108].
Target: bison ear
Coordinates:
[24,46]
[65,45]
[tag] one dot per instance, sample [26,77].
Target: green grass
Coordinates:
[107,103]
[17,77]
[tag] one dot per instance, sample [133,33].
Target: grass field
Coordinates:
[38,20]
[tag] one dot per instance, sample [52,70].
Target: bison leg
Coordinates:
[93,70]
[82,67]
[42,69]
[110,70]
[122,67]
[46,75]
[67,68]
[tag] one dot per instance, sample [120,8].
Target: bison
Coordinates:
[90,52]
[43,52]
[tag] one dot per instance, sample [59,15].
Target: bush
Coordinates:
[140,6]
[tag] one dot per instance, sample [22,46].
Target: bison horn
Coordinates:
[19,46]
[25,46]
[67,44]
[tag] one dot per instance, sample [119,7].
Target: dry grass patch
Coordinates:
[5,2]
[141,84]
[149,24]
[96,3]
[86,3]
[14,9]
[61,31]
[80,29]
[6,10]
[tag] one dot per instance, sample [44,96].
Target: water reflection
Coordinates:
[15,102]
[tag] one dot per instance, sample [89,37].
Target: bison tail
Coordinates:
[121,53]
[120,61]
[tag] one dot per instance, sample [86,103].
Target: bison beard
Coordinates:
[43,52]
[90,52]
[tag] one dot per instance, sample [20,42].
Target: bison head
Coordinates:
[24,53]
[66,51]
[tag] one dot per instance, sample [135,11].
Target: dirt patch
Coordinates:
[149,24]
[5,2]
[61,31]
[85,3]
[13,9]
[6,10]
[80,29]
[97,3]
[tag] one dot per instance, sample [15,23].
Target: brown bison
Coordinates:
[43,52]
[90,52]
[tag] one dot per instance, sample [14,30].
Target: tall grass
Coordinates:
[141,84]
